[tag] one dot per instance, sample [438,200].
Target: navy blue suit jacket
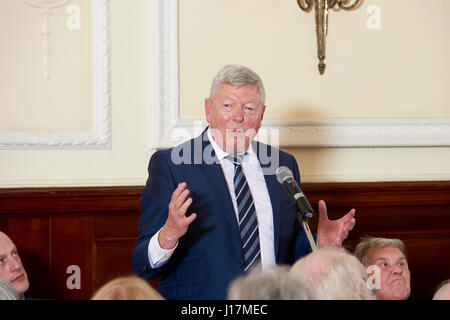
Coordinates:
[209,256]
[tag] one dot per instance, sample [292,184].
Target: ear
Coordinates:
[208,106]
[262,114]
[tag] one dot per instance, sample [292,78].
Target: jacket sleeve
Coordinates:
[154,203]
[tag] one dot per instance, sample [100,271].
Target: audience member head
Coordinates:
[443,291]
[11,267]
[7,291]
[275,283]
[390,256]
[127,288]
[333,274]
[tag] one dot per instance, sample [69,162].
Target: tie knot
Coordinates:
[236,158]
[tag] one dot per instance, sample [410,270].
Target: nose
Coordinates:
[15,265]
[397,269]
[238,113]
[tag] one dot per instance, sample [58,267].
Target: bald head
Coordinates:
[443,292]
[11,267]
[333,274]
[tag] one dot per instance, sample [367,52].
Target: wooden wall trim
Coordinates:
[124,198]
[90,200]
[374,193]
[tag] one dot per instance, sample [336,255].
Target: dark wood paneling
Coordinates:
[95,228]
[112,259]
[109,226]
[114,237]
[4,225]
[71,245]
[55,228]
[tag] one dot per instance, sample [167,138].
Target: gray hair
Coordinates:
[237,76]
[438,295]
[368,243]
[275,283]
[334,274]
[7,291]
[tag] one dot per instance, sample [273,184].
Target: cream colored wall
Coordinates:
[394,72]
[276,39]
[399,71]
[125,163]
[28,102]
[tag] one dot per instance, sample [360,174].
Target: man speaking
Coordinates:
[212,208]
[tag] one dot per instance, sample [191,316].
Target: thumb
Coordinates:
[323,216]
[191,218]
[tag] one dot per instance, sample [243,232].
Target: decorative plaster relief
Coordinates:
[100,136]
[45,11]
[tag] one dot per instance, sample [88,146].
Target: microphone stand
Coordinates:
[303,219]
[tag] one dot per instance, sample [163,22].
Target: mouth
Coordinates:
[19,278]
[397,279]
[236,131]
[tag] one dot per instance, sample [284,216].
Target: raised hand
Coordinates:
[333,232]
[177,223]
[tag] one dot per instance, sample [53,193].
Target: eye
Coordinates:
[2,260]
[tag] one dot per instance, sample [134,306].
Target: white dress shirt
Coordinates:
[258,188]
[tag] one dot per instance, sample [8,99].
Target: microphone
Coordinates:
[286,178]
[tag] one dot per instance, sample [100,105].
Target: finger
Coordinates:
[181,186]
[323,210]
[348,217]
[181,199]
[344,235]
[191,218]
[351,214]
[352,224]
[185,206]
[349,224]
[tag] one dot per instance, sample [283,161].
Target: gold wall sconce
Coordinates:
[321,9]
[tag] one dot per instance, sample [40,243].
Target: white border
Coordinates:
[100,136]
[171,130]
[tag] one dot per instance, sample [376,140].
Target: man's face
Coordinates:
[234,115]
[395,276]
[11,267]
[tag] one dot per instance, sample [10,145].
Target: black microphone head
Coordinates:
[282,173]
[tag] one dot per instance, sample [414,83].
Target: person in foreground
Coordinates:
[11,267]
[443,291]
[275,283]
[127,288]
[7,292]
[389,257]
[332,273]
[212,208]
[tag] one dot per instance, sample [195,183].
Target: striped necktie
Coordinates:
[248,224]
